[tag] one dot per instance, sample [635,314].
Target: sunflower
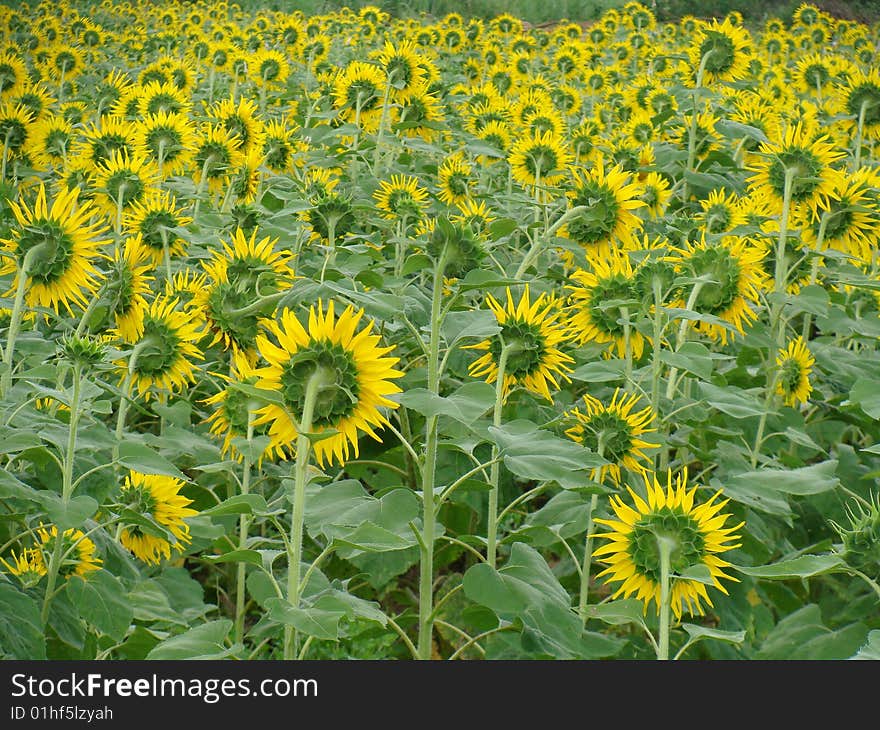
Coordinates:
[850,221]
[696,532]
[217,153]
[65,239]
[598,298]
[795,364]
[809,155]
[269,68]
[357,94]
[419,114]
[50,141]
[453,177]
[474,214]
[13,74]
[609,199]
[341,373]
[244,180]
[167,139]
[612,432]
[157,498]
[402,69]
[815,74]
[15,128]
[158,221]
[539,158]
[126,287]
[720,212]
[109,90]
[122,181]
[732,279]
[279,146]
[241,121]
[27,566]
[36,98]
[77,550]
[233,408]
[530,340]
[722,49]
[861,96]
[237,278]
[656,194]
[165,350]
[99,141]
[401,199]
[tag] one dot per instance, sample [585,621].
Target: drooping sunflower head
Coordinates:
[656,194]
[100,140]
[270,68]
[602,298]
[218,152]
[27,566]
[804,156]
[126,288]
[242,121]
[156,498]
[159,222]
[731,279]
[402,68]
[794,363]
[163,357]
[608,199]
[238,279]
[234,410]
[50,141]
[453,178]
[720,212]
[56,248]
[723,50]
[330,376]
[156,97]
[669,521]
[613,431]
[358,92]
[457,244]
[124,180]
[78,551]
[167,139]
[15,127]
[401,199]
[861,101]
[539,158]
[528,346]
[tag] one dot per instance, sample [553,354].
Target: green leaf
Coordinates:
[240,504]
[697,633]
[871,649]
[21,630]
[804,566]
[866,395]
[566,514]
[258,394]
[737,130]
[692,357]
[149,602]
[103,602]
[533,453]
[73,514]
[13,440]
[317,622]
[472,324]
[207,641]
[600,371]
[813,299]
[483,280]
[236,556]
[141,458]
[735,403]
[615,613]
[814,479]
[465,405]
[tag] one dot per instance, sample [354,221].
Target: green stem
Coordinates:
[664,546]
[495,473]
[426,563]
[317,381]
[814,269]
[5,155]
[539,241]
[15,318]
[859,132]
[382,121]
[66,491]
[692,129]
[243,524]
[656,362]
[588,557]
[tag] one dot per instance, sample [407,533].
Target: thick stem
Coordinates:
[814,269]
[860,130]
[539,241]
[692,129]
[66,491]
[426,563]
[243,524]
[495,473]
[317,381]
[583,598]
[15,318]
[377,150]
[664,546]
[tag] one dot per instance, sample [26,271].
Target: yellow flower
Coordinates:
[795,364]
[77,551]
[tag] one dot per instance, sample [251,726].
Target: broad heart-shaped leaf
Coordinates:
[73,514]
[693,357]
[484,280]
[813,479]
[21,631]
[526,591]
[324,615]
[866,395]
[533,453]
[239,504]
[735,403]
[472,324]
[566,514]
[600,371]
[696,633]
[803,566]
[625,611]
[803,635]
[343,511]
[206,641]
[141,458]
[103,602]
[465,405]
[871,649]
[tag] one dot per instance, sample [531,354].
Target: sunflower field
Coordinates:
[355,336]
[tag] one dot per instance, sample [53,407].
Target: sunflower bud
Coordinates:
[82,350]
[861,540]
[457,245]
